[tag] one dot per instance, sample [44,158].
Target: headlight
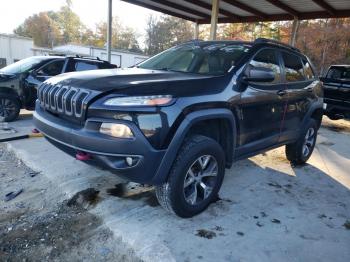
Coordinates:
[160,100]
[116,130]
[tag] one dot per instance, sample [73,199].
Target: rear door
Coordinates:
[300,82]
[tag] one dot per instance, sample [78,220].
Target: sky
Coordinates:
[14,12]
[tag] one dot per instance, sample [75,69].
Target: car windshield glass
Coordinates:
[211,59]
[22,66]
[339,73]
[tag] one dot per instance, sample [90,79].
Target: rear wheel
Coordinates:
[195,178]
[300,151]
[9,108]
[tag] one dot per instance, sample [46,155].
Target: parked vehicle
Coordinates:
[337,92]
[19,81]
[180,118]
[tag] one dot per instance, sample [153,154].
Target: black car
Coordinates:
[337,92]
[180,118]
[19,81]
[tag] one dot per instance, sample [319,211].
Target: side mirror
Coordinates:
[259,74]
[322,78]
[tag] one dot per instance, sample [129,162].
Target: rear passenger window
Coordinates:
[309,73]
[267,58]
[82,66]
[294,67]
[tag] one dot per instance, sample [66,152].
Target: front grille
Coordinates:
[63,100]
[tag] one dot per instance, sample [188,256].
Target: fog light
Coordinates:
[129,161]
[116,130]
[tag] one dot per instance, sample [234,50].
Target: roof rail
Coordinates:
[76,56]
[272,41]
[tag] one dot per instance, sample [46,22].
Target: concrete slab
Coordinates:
[269,211]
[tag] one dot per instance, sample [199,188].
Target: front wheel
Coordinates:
[195,178]
[9,108]
[300,151]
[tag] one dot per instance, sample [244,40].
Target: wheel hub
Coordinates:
[309,141]
[200,179]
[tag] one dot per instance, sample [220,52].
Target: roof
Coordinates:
[66,47]
[237,11]
[16,36]
[258,41]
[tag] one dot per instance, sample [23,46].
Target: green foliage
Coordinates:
[123,37]
[166,32]
[62,27]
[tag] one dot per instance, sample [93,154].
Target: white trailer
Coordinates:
[14,48]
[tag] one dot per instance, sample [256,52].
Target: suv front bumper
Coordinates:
[104,151]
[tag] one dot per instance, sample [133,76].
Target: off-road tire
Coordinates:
[171,194]
[294,151]
[12,106]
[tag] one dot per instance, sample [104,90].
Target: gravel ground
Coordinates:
[34,226]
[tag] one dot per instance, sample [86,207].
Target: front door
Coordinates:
[262,106]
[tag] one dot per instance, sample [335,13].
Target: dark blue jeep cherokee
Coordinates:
[180,118]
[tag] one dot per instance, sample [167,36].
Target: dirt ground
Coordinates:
[35,227]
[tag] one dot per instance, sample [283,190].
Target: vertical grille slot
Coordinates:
[79,103]
[52,97]
[59,99]
[68,101]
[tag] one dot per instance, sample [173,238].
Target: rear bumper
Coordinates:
[105,151]
[337,105]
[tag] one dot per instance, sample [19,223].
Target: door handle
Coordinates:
[281,92]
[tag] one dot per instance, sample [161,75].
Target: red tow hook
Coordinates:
[35,131]
[82,156]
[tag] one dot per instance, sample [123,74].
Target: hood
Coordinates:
[137,81]
[5,77]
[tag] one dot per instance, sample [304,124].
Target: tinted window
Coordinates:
[85,65]
[213,59]
[339,73]
[51,69]
[309,73]
[267,58]
[102,65]
[294,67]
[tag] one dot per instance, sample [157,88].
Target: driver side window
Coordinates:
[52,69]
[267,58]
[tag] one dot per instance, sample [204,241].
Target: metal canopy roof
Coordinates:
[237,11]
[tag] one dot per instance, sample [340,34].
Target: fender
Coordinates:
[315,106]
[9,92]
[162,173]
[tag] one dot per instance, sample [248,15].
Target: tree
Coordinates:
[52,28]
[123,37]
[41,28]
[166,32]
[69,24]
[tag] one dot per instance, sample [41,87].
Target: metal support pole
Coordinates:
[196,30]
[214,18]
[109,31]
[293,37]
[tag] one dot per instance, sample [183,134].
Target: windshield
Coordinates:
[212,59]
[22,66]
[339,73]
